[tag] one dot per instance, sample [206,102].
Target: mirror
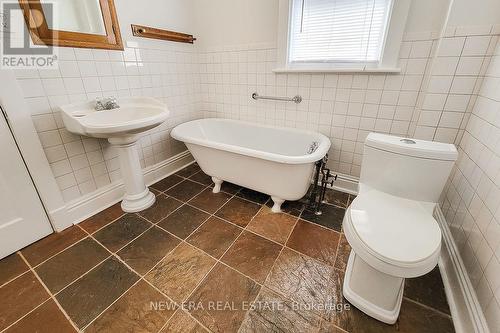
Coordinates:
[76,23]
[77,16]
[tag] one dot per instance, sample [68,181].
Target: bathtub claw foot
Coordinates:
[277,204]
[218,183]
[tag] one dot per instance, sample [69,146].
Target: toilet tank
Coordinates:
[408,168]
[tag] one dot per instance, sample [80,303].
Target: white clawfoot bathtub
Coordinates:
[273,160]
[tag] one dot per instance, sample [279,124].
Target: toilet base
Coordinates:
[377,294]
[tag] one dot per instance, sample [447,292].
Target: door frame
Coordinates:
[26,137]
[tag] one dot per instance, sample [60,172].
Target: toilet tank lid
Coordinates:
[412,147]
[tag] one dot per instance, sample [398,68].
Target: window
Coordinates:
[342,31]
[341,34]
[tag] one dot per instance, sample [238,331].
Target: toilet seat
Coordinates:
[395,235]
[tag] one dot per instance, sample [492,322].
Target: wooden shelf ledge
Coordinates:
[155,33]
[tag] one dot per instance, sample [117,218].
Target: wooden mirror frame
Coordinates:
[42,35]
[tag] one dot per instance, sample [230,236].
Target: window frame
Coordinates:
[389,55]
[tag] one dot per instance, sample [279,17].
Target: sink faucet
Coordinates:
[108,103]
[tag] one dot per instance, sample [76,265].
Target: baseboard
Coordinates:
[88,205]
[346,183]
[464,305]
[58,218]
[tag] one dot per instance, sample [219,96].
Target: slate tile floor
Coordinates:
[197,262]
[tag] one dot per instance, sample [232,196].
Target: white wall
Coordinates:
[474,12]
[235,22]
[232,22]
[427,15]
[176,15]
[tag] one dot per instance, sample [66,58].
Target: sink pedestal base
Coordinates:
[137,196]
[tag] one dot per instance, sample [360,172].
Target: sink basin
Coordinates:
[122,127]
[135,115]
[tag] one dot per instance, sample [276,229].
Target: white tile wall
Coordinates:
[345,107]
[80,164]
[471,200]
[451,85]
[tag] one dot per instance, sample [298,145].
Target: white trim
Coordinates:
[395,70]
[284,10]
[395,31]
[26,137]
[464,306]
[346,183]
[390,54]
[82,208]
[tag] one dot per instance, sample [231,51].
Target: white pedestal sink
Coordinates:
[122,127]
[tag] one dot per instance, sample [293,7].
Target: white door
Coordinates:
[22,217]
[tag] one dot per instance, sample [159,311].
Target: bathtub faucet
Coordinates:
[313,147]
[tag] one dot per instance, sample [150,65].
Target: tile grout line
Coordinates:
[130,241]
[263,206]
[427,307]
[31,268]
[82,275]
[55,254]
[248,311]
[208,273]
[114,255]
[69,246]
[112,303]
[141,277]
[183,241]
[337,250]
[109,256]
[27,314]
[52,296]
[18,275]
[217,261]
[320,317]
[104,226]
[30,311]
[92,268]
[272,266]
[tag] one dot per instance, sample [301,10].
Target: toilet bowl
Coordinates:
[390,224]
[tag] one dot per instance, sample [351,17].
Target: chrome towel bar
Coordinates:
[297,98]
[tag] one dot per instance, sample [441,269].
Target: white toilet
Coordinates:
[390,224]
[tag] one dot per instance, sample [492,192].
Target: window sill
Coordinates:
[387,70]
